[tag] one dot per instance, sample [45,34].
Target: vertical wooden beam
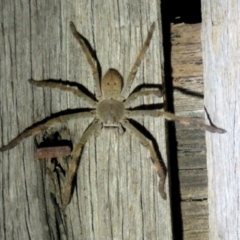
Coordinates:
[187,74]
[221,60]
[116,193]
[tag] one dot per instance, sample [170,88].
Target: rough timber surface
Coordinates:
[191,152]
[221,54]
[116,194]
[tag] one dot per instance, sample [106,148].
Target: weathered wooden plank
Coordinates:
[116,194]
[221,56]
[193,184]
[191,150]
[195,220]
[187,57]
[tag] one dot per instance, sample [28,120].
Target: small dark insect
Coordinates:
[111,109]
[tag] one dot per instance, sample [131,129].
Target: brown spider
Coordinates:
[111,109]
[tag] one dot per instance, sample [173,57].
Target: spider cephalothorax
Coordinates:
[110,109]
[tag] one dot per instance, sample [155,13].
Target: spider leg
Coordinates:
[53,84]
[161,170]
[142,93]
[131,76]
[75,158]
[40,126]
[171,117]
[90,59]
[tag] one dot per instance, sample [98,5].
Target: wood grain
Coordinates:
[191,149]
[195,220]
[221,56]
[116,194]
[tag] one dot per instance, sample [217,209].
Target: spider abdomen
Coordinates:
[110,112]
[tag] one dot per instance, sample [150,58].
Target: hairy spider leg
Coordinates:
[40,126]
[53,84]
[75,159]
[131,76]
[158,163]
[142,93]
[171,117]
[89,58]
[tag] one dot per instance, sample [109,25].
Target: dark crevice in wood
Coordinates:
[177,224]
[187,11]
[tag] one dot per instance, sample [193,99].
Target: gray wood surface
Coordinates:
[188,86]
[221,56]
[116,194]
